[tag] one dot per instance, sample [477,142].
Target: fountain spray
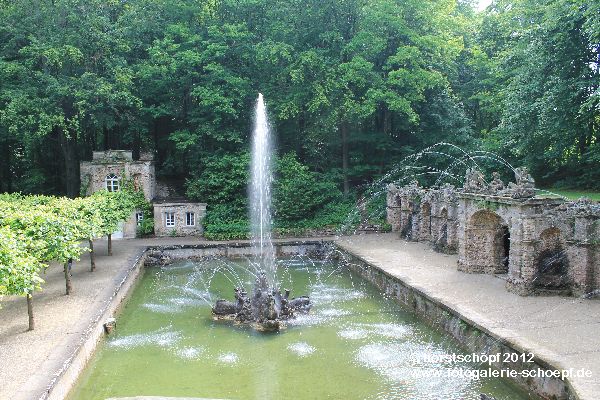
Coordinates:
[259,191]
[266,307]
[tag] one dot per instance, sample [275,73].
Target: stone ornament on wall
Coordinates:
[524,187]
[475,182]
[496,185]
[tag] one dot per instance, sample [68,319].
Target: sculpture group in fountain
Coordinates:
[265,310]
[523,187]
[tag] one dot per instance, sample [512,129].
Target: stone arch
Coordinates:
[425,221]
[487,243]
[551,262]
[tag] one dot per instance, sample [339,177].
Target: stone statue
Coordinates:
[582,207]
[265,310]
[524,186]
[496,185]
[412,187]
[523,178]
[475,182]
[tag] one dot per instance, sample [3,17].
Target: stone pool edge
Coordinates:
[468,333]
[65,379]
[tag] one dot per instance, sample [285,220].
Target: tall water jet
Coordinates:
[259,190]
[266,307]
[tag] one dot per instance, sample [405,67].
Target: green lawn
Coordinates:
[574,194]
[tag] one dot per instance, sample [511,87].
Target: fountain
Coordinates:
[267,308]
[379,350]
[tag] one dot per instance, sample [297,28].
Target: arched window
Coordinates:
[112,182]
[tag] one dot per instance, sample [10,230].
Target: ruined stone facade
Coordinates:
[424,215]
[542,244]
[108,170]
[118,163]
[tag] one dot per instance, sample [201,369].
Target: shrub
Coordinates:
[223,182]
[298,192]
[219,224]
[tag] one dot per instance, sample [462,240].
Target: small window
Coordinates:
[190,219]
[169,219]
[112,183]
[139,216]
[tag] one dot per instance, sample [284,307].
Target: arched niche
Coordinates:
[487,243]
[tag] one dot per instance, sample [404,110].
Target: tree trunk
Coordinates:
[30,311]
[106,138]
[344,133]
[387,121]
[136,150]
[92,256]
[6,184]
[68,145]
[109,244]
[68,284]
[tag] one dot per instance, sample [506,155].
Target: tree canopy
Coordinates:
[364,82]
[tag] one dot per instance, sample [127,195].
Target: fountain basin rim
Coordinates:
[321,240]
[159,398]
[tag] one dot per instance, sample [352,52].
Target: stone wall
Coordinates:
[424,215]
[543,244]
[179,210]
[165,255]
[119,163]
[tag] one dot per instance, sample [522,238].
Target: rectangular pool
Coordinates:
[354,344]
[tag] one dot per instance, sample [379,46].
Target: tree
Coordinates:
[90,214]
[19,269]
[35,230]
[364,81]
[64,79]
[298,192]
[548,63]
[48,224]
[114,208]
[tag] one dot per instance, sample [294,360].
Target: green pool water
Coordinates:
[355,344]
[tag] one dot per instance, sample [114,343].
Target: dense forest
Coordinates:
[353,86]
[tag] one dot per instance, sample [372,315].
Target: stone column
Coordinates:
[393,209]
[461,233]
[405,216]
[452,222]
[522,268]
[581,256]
